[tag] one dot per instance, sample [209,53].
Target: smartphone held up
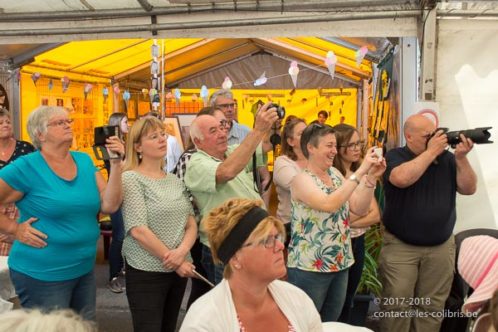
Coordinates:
[101,134]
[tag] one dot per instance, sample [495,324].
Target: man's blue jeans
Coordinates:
[78,294]
[326,289]
[214,271]
[115,256]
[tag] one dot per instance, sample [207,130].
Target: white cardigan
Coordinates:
[215,311]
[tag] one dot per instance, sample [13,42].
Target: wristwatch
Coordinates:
[354,178]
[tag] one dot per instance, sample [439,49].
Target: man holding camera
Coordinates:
[418,256]
[217,172]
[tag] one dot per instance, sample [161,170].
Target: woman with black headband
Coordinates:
[250,298]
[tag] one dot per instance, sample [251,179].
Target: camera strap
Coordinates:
[257,177]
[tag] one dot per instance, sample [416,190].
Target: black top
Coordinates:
[424,213]
[21,149]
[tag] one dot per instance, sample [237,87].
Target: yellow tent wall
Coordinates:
[304,103]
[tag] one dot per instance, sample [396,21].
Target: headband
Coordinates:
[240,233]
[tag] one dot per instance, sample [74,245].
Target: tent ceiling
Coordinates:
[129,60]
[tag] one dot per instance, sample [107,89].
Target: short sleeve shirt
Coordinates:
[160,204]
[320,241]
[66,211]
[201,181]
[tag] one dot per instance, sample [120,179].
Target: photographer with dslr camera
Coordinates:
[418,255]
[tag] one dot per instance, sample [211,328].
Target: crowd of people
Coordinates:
[202,215]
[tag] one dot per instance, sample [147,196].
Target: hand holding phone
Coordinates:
[379,153]
[101,134]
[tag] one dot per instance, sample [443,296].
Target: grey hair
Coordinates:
[220,93]
[22,320]
[38,120]
[4,112]
[195,130]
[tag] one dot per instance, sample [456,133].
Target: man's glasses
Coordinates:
[224,124]
[268,242]
[60,123]
[225,106]
[354,145]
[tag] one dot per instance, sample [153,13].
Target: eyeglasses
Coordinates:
[60,123]
[354,145]
[224,124]
[155,136]
[268,242]
[225,106]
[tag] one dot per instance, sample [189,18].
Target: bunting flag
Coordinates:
[35,77]
[261,80]
[86,90]
[227,83]
[360,55]
[204,94]
[293,72]
[330,62]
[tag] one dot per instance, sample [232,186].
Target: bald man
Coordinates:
[418,256]
[217,171]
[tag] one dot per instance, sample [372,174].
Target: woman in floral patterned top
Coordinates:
[320,248]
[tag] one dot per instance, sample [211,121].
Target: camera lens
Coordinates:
[280,110]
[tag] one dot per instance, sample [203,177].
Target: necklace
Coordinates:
[6,149]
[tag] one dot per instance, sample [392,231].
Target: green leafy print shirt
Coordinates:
[320,241]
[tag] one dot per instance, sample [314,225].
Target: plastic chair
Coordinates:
[460,289]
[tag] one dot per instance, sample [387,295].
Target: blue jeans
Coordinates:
[354,276]
[115,256]
[78,294]
[326,289]
[214,271]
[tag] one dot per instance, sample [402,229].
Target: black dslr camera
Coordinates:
[101,134]
[280,110]
[477,135]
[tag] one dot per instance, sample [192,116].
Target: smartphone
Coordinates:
[101,134]
[378,152]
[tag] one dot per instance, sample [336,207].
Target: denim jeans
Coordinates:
[199,287]
[115,256]
[154,299]
[78,294]
[214,271]
[354,276]
[326,289]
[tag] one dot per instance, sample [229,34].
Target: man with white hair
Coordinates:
[217,172]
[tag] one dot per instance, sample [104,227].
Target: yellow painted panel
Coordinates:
[304,103]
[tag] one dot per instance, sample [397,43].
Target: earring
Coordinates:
[237,266]
[139,156]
